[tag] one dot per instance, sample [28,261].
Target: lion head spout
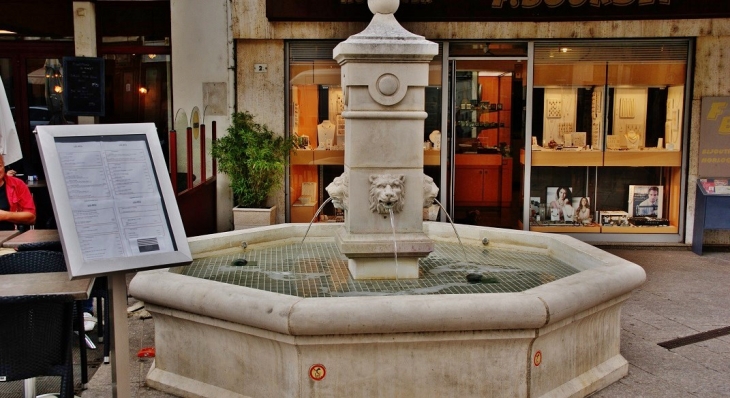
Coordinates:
[338,191]
[387,193]
[430,191]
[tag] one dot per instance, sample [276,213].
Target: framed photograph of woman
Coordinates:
[582,206]
[645,200]
[560,203]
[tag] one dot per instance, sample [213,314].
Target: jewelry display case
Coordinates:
[609,117]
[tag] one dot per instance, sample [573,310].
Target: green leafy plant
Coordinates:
[253,157]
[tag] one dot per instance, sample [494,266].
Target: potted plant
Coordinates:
[254,158]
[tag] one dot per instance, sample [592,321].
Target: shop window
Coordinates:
[608,124]
[316,103]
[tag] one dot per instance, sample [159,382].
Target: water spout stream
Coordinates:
[395,242]
[316,214]
[452,226]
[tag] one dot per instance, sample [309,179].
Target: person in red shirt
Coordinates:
[17,207]
[16,202]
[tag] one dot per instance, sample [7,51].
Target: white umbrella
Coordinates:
[38,76]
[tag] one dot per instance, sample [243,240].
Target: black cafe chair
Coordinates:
[32,262]
[99,291]
[36,339]
[54,246]
[36,261]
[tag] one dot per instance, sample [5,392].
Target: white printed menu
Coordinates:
[115,200]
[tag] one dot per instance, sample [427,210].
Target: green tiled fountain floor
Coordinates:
[319,270]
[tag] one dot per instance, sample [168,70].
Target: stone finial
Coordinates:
[383,6]
[385,40]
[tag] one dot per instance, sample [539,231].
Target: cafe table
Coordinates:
[43,283]
[31,236]
[36,184]
[7,235]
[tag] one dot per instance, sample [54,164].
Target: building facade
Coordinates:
[499,93]
[600,100]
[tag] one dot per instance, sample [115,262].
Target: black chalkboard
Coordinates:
[83,86]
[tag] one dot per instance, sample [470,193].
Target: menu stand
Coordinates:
[120,334]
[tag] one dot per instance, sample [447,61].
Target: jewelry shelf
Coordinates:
[646,157]
[311,157]
[550,157]
[669,229]
[593,228]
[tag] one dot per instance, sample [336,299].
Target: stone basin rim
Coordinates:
[298,316]
[600,285]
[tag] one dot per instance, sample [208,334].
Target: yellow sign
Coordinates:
[537,359]
[714,137]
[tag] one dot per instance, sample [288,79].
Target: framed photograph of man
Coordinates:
[646,200]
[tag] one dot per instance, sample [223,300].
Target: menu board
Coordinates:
[112,198]
[83,86]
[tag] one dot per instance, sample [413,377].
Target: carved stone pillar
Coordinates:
[384,75]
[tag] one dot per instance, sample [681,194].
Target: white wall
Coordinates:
[202,53]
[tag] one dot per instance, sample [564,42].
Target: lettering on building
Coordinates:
[401,1]
[574,3]
[716,111]
[537,3]
[500,10]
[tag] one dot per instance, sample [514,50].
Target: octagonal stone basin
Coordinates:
[558,339]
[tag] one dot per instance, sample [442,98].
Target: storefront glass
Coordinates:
[601,120]
[316,104]
[487,105]
[608,130]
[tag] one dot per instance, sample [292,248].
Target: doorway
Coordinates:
[138,89]
[487,98]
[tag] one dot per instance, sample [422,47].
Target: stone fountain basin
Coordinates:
[560,339]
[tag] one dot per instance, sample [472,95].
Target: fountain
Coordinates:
[334,316]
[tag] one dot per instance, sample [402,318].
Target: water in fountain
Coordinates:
[318,269]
